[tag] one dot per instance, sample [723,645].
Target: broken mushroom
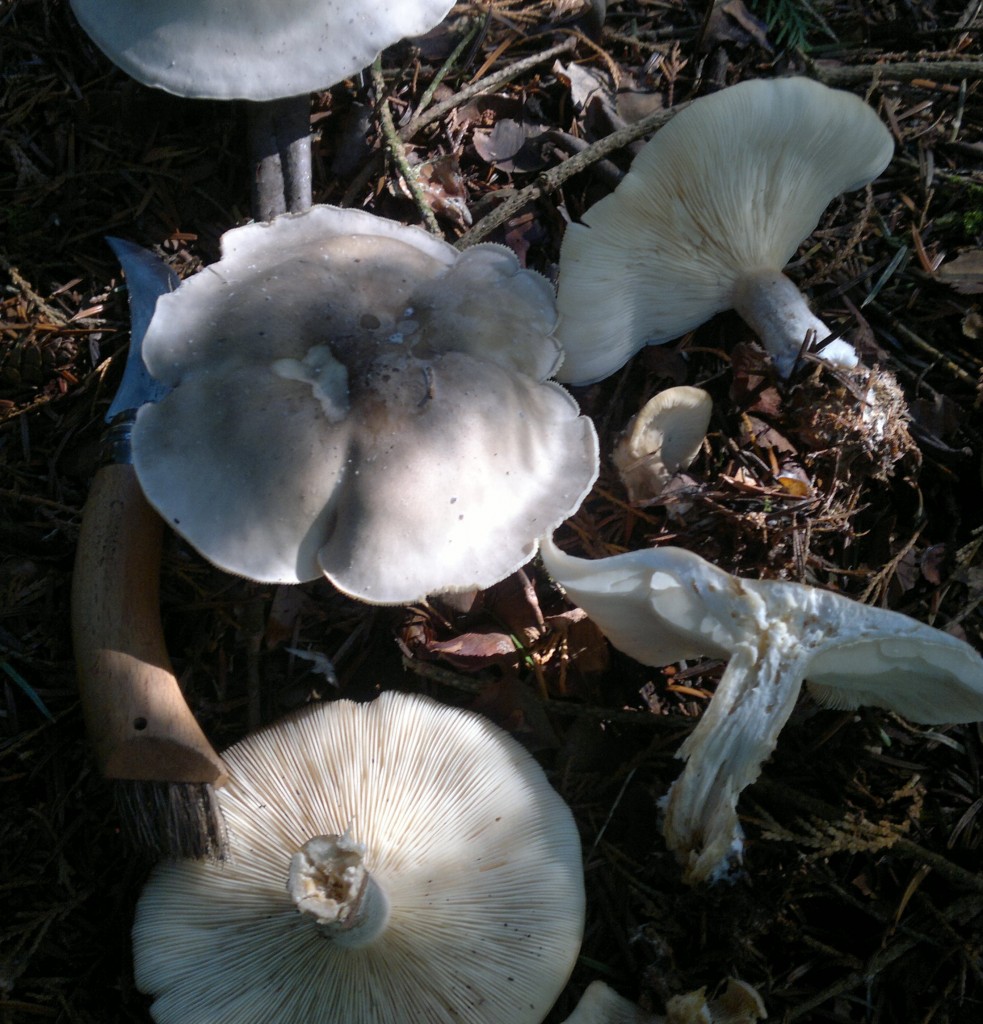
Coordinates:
[664,437]
[664,605]
[354,397]
[711,211]
[394,861]
[739,1003]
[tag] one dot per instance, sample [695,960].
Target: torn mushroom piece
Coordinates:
[662,438]
[711,211]
[738,1004]
[393,861]
[663,605]
[600,1004]
[354,397]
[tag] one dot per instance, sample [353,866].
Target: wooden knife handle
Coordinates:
[136,715]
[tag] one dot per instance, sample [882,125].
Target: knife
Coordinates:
[135,713]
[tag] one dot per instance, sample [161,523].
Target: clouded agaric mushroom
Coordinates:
[709,214]
[353,397]
[388,862]
[663,605]
[250,49]
[256,50]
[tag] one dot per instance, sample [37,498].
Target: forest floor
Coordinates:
[861,897]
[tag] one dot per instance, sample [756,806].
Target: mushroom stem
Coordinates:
[330,883]
[280,146]
[778,313]
[724,753]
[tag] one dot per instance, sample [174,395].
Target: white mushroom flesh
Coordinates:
[657,604]
[600,1004]
[775,309]
[329,881]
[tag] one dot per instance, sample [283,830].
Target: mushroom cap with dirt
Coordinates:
[662,438]
[353,397]
[663,605]
[400,860]
[250,49]
[712,209]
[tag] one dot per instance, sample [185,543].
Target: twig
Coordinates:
[902,71]
[31,499]
[395,147]
[963,909]
[21,282]
[909,335]
[437,111]
[552,179]
[901,846]
[445,68]
[483,86]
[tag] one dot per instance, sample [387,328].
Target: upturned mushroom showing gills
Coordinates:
[388,862]
[662,605]
[353,397]
[711,211]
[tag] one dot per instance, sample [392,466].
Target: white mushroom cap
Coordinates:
[657,604]
[664,437]
[727,190]
[600,1004]
[250,49]
[477,860]
[353,397]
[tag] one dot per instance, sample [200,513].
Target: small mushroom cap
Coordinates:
[352,396]
[478,855]
[662,438]
[730,186]
[250,49]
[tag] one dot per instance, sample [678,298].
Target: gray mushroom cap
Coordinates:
[250,49]
[712,209]
[474,857]
[352,396]
[738,1004]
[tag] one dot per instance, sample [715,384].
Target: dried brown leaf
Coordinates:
[964,274]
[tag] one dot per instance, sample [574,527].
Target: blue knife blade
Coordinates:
[147,278]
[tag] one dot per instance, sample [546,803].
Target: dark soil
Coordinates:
[862,897]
